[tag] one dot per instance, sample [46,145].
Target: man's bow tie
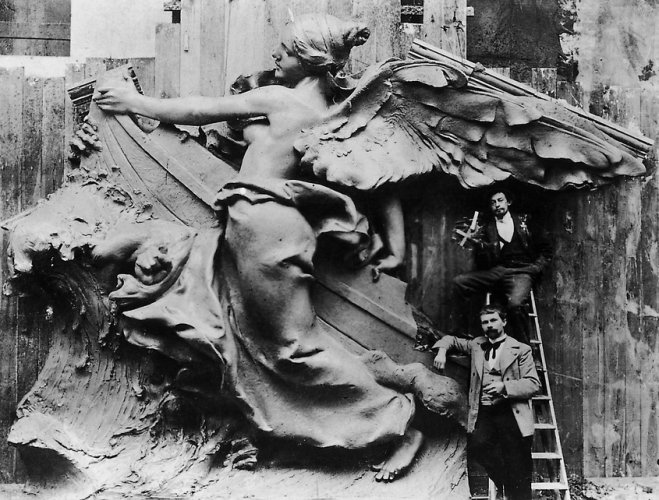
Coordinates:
[491,348]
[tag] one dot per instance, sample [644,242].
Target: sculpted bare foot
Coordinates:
[402,457]
[242,455]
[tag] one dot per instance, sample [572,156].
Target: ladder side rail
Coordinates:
[559,448]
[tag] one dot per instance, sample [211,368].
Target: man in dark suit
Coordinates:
[510,258]
[500,423]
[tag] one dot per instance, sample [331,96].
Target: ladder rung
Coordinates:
[546,455]
[548,486]
[535,342]
[541,397]
[544,426]
[531,315]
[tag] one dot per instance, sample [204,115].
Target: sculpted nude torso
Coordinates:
[270,152]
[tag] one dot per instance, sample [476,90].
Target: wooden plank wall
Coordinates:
[31,167]
[219,40]
[35,125]
[35,27]
[599,302]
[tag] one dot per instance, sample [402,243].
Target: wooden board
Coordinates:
[562,314]
[445,25]
[11,145]
[32,120]
[54,144]
[213,46]
[35,28]
[646,350]
[168,60]
[246,50]
[191,16]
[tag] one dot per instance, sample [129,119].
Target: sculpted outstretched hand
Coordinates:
[119,100]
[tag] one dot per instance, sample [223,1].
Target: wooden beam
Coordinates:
[35,31]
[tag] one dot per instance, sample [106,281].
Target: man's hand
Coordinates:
[440,360]
[494,389]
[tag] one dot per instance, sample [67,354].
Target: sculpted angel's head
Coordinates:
[316,44]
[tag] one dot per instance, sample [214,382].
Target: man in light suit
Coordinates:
[510,256]
[500,422]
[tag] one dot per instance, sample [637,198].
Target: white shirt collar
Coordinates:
[498,339]
[506,218]
[506,227]
[492,362]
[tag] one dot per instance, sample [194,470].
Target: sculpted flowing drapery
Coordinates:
[238,297]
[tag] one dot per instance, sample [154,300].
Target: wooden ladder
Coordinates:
[548,462]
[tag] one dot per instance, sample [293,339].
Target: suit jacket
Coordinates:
[518,373]
[534,242]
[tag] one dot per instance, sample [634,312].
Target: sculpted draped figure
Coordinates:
[252,277]
[290,377]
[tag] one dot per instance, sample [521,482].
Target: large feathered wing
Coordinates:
[407,118]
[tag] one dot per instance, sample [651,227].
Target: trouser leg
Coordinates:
[517,288]
[468,284]
[498,445]
[483,447]
[519,465]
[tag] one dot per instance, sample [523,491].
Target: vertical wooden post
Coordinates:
[54,136]
[11,145]
[445,25]
[31,164]
[190,80]
[563,311]
[168,60]
[213,47]
[247,31]
[647,347]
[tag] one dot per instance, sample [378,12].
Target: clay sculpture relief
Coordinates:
[200,314]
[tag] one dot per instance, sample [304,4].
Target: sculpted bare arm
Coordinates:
[193,110]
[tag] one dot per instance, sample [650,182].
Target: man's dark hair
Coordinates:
[494,308]
[506,192]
